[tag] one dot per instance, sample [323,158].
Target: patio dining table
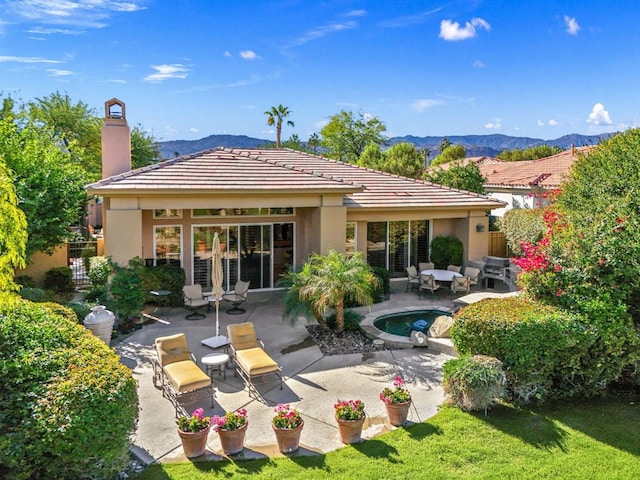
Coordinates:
[441,275]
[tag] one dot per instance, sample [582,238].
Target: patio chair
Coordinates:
[428,282]
[454,268]
[413,279]
[238,295]
[249,357]
[460,284]
[426,266]
[175,370]
[473,274]
[194,300]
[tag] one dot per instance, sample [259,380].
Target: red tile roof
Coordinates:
[545,172]
[281,170]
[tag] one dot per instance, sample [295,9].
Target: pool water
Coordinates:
[400,323]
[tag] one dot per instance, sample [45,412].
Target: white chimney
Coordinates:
[116,139]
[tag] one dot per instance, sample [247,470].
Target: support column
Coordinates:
[123,238]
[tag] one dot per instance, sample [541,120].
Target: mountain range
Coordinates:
[476,145]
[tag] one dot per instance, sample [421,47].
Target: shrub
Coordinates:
[25,281]
[446,251]
[543,348]
[57,309]
[382,292]
[34,294]
[126,291]
[352,320]
[99,270]
[474,383]
[59,279]
[81,309]
[68,405]
[522,225]
[98,295]
[164,277]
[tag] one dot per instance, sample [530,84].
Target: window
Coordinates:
[167,213]
[168,244]
[351,239]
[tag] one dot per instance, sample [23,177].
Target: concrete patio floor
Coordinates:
[313,382]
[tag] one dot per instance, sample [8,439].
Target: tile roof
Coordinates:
[545,172]
[273,170]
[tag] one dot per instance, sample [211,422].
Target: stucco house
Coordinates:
[272,208]
[523,184]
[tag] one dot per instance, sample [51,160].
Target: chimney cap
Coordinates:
[114,108]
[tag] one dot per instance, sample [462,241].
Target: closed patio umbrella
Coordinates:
[216,280]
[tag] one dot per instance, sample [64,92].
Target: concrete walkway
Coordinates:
[313,382]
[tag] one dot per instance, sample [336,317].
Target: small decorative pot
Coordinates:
[194,444]
[232,441]
[288,438]
[350,430]
[100,322]
[398,413]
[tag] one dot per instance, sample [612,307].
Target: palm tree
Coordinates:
[276,116]
[332,278]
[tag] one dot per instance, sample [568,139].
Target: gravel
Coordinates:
[331,343]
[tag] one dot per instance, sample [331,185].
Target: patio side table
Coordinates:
[161,297]
[217,359]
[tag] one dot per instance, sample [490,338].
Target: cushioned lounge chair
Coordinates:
[250,359]
[175,370]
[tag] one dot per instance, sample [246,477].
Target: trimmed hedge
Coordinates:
[68,406]
[446,251]
[59,279]
[543,348]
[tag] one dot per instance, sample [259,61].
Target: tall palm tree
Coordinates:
[333,278]
[276,116]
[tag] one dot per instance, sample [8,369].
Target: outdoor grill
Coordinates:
[495,268]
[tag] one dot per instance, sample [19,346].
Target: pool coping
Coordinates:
[442,345]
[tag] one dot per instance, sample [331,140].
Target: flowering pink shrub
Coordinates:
[230,420]
[349,409]
[399,394]
[286,417]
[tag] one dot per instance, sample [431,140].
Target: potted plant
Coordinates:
[350,416]
[397,402]
[194,431]
[287,425]
[231,429]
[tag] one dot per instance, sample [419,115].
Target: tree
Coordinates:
[276,116]
[13,232]
[372,157]
[334,277]
[522,225]
[457,175]
[49,186]
[405,159]
[452,152]
[444,144]
[144,148]
[532,153]
[346,136]
[314,142]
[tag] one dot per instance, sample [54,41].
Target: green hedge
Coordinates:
[59,279]
[446,250]
[68,406]
[543,348]
[474,383]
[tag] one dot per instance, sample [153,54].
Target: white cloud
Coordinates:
[478,64]
[8,58]
[170,131]
[599,116]
[227,54]
[248,55]
[553,123]
[322,31]
[356,13]
[367,116]
[409,20]
[166,71]
[493,126]
[194,130]
[54,31]
[572,25]
[422,104]
[452,31]
[540,123]
[116,80]
[54,72]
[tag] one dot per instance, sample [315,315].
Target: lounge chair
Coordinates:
[175,370]
[250,359]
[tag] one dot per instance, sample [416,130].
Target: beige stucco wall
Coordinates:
[123,237]
[40,263]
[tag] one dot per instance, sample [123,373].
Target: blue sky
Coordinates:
[188,69]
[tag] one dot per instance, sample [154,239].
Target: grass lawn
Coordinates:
[588,439]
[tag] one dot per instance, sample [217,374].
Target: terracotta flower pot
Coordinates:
[232,441]
[398,413]
[350,430]
[288,438]
[194,444]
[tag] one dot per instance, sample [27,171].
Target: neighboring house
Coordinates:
[523,184]
[272,208]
